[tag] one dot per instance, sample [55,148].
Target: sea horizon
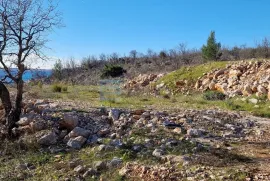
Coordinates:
[29,74]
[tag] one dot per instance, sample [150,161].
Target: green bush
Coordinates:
[64,88]
[56,88]
[214,95]
[112,71]
[40,84]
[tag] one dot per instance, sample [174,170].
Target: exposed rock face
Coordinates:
[242,78]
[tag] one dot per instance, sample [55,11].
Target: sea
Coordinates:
[30,74]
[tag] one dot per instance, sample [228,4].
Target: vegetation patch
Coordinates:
[213,95]
[112,71]
[189,73]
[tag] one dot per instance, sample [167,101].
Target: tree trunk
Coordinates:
[12,114]
[5,98]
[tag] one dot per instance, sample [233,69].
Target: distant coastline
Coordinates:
[30,74]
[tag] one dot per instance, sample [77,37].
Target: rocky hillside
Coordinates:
[242,78]
[136,144]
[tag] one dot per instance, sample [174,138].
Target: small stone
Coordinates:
[92,139]
[137,148]
[194,132]
[89,172]
[123,171]
[101,147]
[178,130]
[21,167]
[23,121]
[100,165]
[253,101]
[158,152]
[75,163]
[113,135]
[114,114]
[38,125]
[115,162]
[103,132]
[79,169]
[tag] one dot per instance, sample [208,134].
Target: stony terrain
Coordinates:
[139,144]
[242,78]
[142,81]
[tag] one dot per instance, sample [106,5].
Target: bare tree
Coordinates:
[184,53]
[133,54]
[102,57]
[24,26]
[114,57]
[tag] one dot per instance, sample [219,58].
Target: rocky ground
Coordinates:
[242,78]
[137,144]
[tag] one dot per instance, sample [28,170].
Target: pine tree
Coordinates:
[211,51]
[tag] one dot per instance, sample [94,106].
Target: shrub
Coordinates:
[213,95]
[56,88]
[58,70]
[64,88]
[112,71]
[40,84]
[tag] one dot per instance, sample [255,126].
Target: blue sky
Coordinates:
[106,26]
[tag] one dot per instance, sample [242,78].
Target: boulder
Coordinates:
[48,139]
[69,122]
[77,142]
[77,131]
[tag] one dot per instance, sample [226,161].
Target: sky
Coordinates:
[93,27]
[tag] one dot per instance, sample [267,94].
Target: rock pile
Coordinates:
[242,78]
[176,141]
[143,80]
